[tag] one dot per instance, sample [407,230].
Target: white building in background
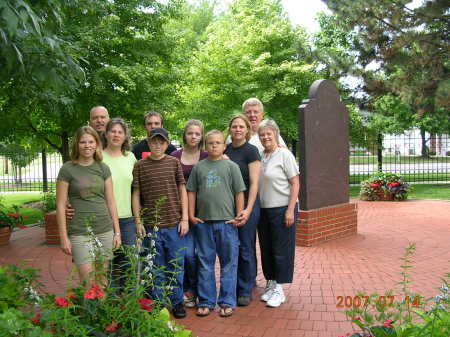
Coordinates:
[410,144]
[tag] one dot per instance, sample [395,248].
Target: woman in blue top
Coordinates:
[247,157]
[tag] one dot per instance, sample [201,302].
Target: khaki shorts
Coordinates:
[83,248]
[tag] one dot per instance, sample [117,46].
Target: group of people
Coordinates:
[206,200]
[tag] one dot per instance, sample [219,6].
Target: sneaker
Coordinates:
[277,297]
[243,301]
[178,311]
[270,286]
[190,300]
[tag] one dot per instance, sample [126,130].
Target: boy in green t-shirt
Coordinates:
[215,193]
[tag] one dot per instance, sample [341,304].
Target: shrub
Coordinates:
[49,201]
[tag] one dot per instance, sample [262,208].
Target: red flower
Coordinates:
[71,297]
[36,320]
[388,324]
[374,185]
[112,327]
[357,318]
[21,226]
[95,292]
[61,302]
[146,304]
[14,215]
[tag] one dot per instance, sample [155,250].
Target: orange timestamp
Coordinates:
[381,301]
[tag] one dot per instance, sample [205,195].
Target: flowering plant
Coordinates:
[417,318]
[10,218]
[383,184]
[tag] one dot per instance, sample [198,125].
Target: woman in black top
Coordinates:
[247,157]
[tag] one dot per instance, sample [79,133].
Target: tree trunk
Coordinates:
[380,152]
[64,151]
[44,171]
[425,152]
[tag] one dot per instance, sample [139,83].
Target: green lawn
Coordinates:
[32,215]
[394,160]
[408,177]
[419,191]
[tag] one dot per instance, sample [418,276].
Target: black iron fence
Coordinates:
[417,160]
[29,172]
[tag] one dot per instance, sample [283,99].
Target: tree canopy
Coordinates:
[252,50]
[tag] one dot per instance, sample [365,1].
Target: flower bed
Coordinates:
[384,187]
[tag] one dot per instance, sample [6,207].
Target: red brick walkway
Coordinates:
[369,261]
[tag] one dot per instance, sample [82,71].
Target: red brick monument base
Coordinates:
[323,224]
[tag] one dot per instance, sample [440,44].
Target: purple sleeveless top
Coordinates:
[187,168]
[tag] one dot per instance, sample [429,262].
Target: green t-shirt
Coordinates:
[87,197]
[122,177]
[216,183]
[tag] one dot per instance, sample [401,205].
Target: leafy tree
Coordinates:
[126,60]
[409,48]
[252,50]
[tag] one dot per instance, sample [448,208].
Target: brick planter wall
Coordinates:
[51,229]
[328,223]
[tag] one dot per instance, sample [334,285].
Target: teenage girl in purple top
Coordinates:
[190,155]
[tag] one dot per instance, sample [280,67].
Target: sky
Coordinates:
[303,12]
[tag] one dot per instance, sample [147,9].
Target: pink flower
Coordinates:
[61,302]
[146,304]
[112,327]
[95,292]
[36,320]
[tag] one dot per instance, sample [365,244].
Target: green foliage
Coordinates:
[117,54]
[18,323]
[409,48]
[382,183]
[49,199]
[10,217]
[16,287]
[251,50]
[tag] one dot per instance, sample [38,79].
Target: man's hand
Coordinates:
[70,212]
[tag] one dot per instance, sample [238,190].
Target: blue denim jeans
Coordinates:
[168,263]
[247,253]
[211,238]
[120,261]
[190,263]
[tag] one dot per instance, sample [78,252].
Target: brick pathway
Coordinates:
[369,261]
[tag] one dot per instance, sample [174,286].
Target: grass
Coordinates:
[31,215]
[409,177]
[25,187]
[367,159]
[425,191]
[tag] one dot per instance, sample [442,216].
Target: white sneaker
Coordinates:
[277,297]
[270,286]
